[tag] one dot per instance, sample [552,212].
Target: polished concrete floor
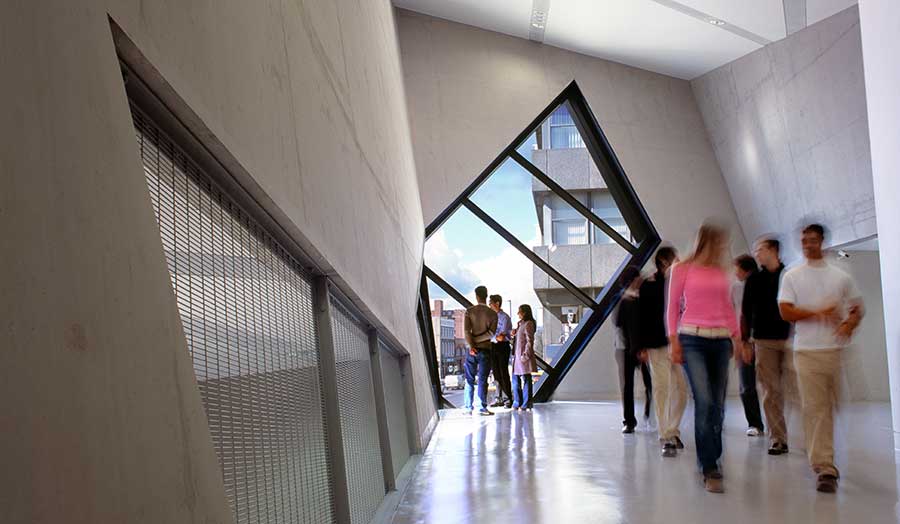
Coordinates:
[568,462]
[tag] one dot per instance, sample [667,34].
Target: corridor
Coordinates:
[567,462]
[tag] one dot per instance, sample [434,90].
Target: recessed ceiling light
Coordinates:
[716,21]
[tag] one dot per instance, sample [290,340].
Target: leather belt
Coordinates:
[705,332]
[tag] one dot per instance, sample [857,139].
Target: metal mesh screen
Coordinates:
[247,313]
[395,406]
[359,426]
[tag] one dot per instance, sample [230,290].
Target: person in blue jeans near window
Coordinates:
[480,327]
[703,330]
[524,361]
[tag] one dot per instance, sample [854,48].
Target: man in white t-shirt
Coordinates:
[826,308]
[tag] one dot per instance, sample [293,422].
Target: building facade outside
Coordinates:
[449,347]
[569,242]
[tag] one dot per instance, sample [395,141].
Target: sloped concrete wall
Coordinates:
[101,415]
[789,127]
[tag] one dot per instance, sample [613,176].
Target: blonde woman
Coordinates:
[703,330]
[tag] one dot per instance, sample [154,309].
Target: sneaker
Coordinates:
[826,483]
[507,404]
[467,412]
[485,413]
[498,403]
[627,429]
[669,449]
[678,443]
[712,481]
[753,432]
[778,448]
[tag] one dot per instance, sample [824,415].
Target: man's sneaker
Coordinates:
[485,413]
[508,404]
[678,443]
[498,403]
[669,449]
[467,412]
[753,432]
[627,429]
[712,481]
[826,483]
[778,448]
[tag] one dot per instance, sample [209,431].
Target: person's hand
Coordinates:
[472,351]
[676,353]
[512,333]
[643,356]
[829,315]
[747,352]
[844,332]
[501,337]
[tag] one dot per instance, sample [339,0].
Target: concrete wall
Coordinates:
[867,363]
[472,91]
[879,20]
[101,415]
[789,127]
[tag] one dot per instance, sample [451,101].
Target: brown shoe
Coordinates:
[712,481]
[826,483]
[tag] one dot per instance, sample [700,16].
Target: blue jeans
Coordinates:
[520,399]
[477,365]
[706,366]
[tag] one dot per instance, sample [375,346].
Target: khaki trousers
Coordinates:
[669,392]
[819,377]
[775,376]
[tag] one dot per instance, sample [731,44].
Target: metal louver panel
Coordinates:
[247,313]
[359,426]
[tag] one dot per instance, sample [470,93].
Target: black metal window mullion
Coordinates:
[572,201]
[531,255]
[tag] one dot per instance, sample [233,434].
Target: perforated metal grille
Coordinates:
[247,313]
[359,426]
[395,406]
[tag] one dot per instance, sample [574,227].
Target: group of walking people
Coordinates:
[687,320]
[488,331]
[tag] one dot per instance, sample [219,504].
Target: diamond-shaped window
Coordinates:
[552,222]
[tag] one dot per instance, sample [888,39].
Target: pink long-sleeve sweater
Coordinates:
[700,296]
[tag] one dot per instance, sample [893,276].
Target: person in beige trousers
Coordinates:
[766,337]
[669,384]
[826,308]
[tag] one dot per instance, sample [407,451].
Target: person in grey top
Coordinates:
[480,328]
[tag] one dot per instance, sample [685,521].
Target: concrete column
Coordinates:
[879,20]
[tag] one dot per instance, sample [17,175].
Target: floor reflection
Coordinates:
[567,462]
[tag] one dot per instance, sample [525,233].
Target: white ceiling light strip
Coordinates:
[722,24]
[540,11]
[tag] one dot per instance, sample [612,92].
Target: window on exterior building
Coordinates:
[563,133]
[603,205]
[568,226]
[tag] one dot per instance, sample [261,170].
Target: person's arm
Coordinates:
[467,326]
[676,291]
[528,331]
[855,312]
[747,309]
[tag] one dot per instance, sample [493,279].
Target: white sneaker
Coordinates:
[753,432]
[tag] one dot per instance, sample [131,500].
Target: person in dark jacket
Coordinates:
[766,336]
[744,269]
[627,321]
[670,395]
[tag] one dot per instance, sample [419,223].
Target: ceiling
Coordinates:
[675,38]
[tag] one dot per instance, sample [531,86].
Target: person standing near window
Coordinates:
[670,387]
[524,361]
[480,325]
[744,269]
[628,323]
[703,329]
[500,354]
[826,308]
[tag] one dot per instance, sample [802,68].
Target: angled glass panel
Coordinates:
[557,150]
[466,253]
